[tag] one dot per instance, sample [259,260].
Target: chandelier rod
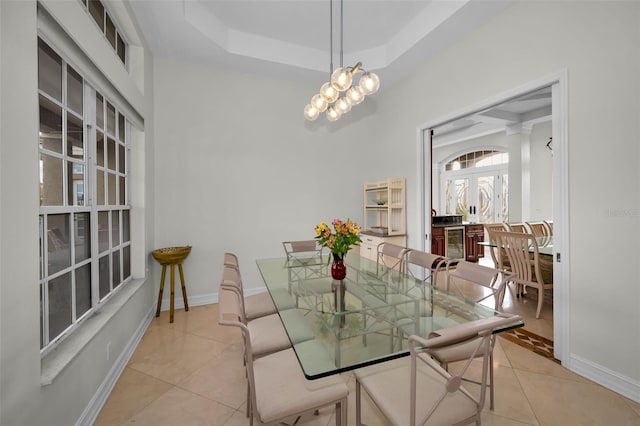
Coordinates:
[341,31]
[330,38]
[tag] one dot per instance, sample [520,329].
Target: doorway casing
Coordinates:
[561,271]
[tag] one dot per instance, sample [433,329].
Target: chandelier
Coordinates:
[339,94]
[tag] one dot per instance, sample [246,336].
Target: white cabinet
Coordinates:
[384,207]
[369,244]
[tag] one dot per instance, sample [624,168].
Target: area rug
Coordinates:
[538,344]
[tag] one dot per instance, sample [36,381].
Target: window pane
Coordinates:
[111,154]
[50,181]
[111,32]
[97,12]
[75,147]
[99,111]
[82,236]
[121,49]
[59,305]
[105,280]
[49,71]
[59,251]
[83,289]
[41,229]
[100,188]
[112,188]
[111,119]
[74,90]
[100,148]
[123,191]
[121,127]
[115,228]
[75,182]
[125,226]
[103,231]
[126,262]
[115,256]
[50,125]
[121,158]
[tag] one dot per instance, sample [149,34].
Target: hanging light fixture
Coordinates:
[339,94]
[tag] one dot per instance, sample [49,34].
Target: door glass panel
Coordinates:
[74,90]
[111,154]
[505,198]
[125,226]
[100,148]
[486,202]
[112,188]
[104,276]
[99,111]
[100,188]
[115,256]
[75,147]
[111,119]
[75,183]
[115,228]
[103,231]
[126,262]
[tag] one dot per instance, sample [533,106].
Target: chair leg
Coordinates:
[540,300]
[358,405]
[491,380]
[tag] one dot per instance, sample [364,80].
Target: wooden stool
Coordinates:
[171,256]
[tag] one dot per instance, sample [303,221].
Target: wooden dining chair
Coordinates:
[541,231]
[494,250]
[278,390]
[477,283]
[417,390]
[524,257]
[516,227]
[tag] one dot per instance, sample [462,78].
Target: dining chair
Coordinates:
[494,250]
[278,390]
[428,265]
[476,283]
[524,256]
[391,256]
[516,227]
[417,390]
[541,231]
[306,248]
[257,305]
[549,224]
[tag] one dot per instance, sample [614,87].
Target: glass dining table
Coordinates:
[363,319]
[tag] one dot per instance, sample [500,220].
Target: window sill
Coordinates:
[57,360]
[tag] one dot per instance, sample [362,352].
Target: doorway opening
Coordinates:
[518,114]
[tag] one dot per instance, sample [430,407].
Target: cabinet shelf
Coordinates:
[384,206]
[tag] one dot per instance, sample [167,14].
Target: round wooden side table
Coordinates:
[171,256]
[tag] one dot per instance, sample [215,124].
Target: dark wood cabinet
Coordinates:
[437,241]
[473,234]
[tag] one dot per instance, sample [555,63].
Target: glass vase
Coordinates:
[338,268]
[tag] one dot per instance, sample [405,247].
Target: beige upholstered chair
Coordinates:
[302,250]
[522,250]
[257,305]
[391,256]
[428,263]
[477,283]
[278,389]
[416,390]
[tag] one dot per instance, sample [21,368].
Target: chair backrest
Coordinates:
[307,247]
[491,229]
[538,229]
[391,256]
[550,226]
[231,280]
[524,257]
[430,262]
[231,259]
[516,227]
[479,332]
[477,282]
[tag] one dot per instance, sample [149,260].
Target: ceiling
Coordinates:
[290,39]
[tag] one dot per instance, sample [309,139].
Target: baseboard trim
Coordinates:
[205,299]
[91,411]
[625,386]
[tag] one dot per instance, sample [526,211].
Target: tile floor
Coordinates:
[190,373]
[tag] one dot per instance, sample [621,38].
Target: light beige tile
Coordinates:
[133,392]
[221,379]
[179,407]
[634,405]
[559,401]
[177,359]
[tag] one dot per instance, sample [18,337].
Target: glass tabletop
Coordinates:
[545,245]
[336,326]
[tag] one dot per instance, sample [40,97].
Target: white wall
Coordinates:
[237,168]
[597,42]
[25,397]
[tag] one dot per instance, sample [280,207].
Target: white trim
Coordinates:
[559,83]
[91,411]
[625,386]
[203,299]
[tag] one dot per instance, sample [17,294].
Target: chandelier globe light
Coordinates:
[339,94]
